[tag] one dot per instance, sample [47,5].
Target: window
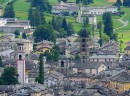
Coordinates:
[83,40]
[83,49]
[83,57]
[62,63]
[83,45]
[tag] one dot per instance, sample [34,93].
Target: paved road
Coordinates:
[6,3]
[125,23]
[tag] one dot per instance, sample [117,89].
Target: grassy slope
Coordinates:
[1,34]
[21,8]
[101,3]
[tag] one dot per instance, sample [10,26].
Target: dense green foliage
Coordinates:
[1,63]
[40,79]
[44,32]
[17,33]
[108,24]
[9,76]
[9,11]
[100,34]
[36,17]
[64,0]
[24,36]
[62,27]
[126,3]
[64,24]
[85,2]
[43,5]
[86,22]
[119,2]
[53,55]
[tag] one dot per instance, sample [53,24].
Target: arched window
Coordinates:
[20,57]
[62,63]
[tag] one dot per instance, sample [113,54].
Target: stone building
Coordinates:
[10,25]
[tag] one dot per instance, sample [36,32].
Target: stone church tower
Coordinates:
[84,46]
[20,61]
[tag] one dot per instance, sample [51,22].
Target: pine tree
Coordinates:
[64,0]
[77,1]
[64,24]
[9,11]
[36,17]
[43,5]
[119,2]
[70,29]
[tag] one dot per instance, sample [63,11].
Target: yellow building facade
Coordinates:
[121,82]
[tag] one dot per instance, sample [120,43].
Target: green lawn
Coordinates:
[116,23]
[21,15]
[21,8]
[101,3]
[53,2]
[76,25]
[125,37]
[1,34]
[127,13]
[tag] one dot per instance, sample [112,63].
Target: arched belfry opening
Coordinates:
[20,57]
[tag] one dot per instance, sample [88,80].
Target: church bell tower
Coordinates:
[84,46]
[20,58]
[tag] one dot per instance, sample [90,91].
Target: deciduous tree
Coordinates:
[44,32]
[9,76]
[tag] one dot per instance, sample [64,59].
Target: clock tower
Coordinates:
[20,58]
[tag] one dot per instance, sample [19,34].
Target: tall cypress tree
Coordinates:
[53,22]
[108,24]
[40,78]
[64,24]
[36,17]
[1,63]
[9,11]
[100,34]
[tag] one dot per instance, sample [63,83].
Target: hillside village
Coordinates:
[34,62]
